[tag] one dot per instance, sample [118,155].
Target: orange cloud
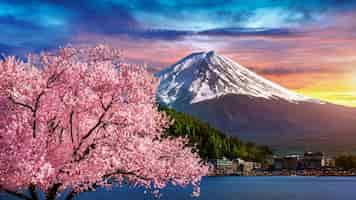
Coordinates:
[320,62]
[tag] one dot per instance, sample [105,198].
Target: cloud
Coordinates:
[9,20]
[343,97]
[176,35]
[50,23]
[166,34]
[295,70]
[110,19]
[240,32]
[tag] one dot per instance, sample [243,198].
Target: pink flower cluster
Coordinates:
[78,118]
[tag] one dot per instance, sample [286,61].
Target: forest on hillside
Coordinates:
[212,143]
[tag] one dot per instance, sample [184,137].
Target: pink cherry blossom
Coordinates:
[79,118]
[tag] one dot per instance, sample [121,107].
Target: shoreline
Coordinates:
[280,176]
[316,173]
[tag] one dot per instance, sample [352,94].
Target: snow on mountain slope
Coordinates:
[206,75]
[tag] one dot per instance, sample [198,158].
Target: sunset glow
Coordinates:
[306,46]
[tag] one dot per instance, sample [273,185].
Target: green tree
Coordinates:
[345,162]
[210,143]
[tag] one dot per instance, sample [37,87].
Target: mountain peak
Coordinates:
[206,75]
[210,53]
[201,55]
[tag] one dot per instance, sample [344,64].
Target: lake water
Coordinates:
[243,188]
[247,188]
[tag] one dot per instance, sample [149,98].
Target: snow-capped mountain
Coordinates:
[206,75]
[241,103]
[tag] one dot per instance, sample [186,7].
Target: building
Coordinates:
[309,161]
[313,160]
[291,162]
[277,163]
[223,166]
[211,168]
[246,167]
[329,163]
[238,165]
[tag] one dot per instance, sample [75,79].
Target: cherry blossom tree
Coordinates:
[77,119]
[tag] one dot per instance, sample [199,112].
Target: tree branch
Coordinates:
[107,176]
[99,122]
[94,127]
[101,102]
[71,195]
[32,189]
[21,104]
[33,110]
[37,102]
[125,173]
[71,125]
[52,192]
[52,125]
[85,153]
[54,77]
[61,135]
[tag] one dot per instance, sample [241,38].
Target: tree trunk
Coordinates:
[70,196]
[52,192]
[33,192]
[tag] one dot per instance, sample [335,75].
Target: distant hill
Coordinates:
[211,143]
[237,101]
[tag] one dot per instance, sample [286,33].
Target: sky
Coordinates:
[305,45]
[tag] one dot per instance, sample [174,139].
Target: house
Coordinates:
[329,162]
[246,167]
[313,160]
[238,165]
[290,162]
[223,166]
